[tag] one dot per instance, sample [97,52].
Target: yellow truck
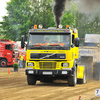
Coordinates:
[53,54]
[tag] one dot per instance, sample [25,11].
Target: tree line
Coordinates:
[23,14]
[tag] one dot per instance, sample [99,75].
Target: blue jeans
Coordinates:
[21,63]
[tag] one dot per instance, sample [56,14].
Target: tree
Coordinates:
[17,22]
[67,19]
[23,14]
[42,13]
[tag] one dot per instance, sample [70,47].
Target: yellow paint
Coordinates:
[71,55]
[80,72]
[38,64]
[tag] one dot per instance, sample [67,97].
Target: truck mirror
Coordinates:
[77,42]
[22,41]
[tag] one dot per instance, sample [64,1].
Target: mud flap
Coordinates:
[88,62]
[81,75]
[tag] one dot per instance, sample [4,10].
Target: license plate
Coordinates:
[47,73]
[30,72]
[64,72]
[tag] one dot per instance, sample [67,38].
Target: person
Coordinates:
[67,42]
[47,41]
[24,60]
[21,60]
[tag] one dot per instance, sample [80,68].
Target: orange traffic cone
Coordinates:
[80,98]
[8,71]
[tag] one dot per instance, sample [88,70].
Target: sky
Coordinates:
[3,11]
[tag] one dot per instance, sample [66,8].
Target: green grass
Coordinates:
[3,73]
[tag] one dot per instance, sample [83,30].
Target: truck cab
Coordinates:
[6,53]
[52,54]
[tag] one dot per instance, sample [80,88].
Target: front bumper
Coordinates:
[49,72]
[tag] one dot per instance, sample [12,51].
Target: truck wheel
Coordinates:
[3,63]
[82,81]
[72,80]
[31,80]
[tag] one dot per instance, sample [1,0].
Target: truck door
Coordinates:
[8,52]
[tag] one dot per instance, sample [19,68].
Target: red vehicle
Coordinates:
[7,54]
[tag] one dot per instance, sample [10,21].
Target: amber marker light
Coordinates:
[66,30]
[35,26]
[67,26]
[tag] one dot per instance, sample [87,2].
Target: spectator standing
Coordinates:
[21,60]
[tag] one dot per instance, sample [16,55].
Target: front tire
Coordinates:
[72,80]
[3,63]
[31,80]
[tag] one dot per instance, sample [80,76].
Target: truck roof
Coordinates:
[5,42]
[50,30]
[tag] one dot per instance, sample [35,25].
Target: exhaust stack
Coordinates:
[58,9]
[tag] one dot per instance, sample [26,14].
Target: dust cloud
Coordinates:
[88,6]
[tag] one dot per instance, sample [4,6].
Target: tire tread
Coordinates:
[31,80]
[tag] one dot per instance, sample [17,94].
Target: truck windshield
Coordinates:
[8,47]
[49,41]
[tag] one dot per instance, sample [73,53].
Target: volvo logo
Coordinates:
[47,56]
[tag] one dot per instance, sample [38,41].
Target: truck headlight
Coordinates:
[60,26]
[30,64]
[65,64]
[40,26]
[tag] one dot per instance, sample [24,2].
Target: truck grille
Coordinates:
[47,65]
[47,56]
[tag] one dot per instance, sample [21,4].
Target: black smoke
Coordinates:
[84,6]
[58,9]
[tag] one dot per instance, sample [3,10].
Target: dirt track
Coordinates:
[14,87]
